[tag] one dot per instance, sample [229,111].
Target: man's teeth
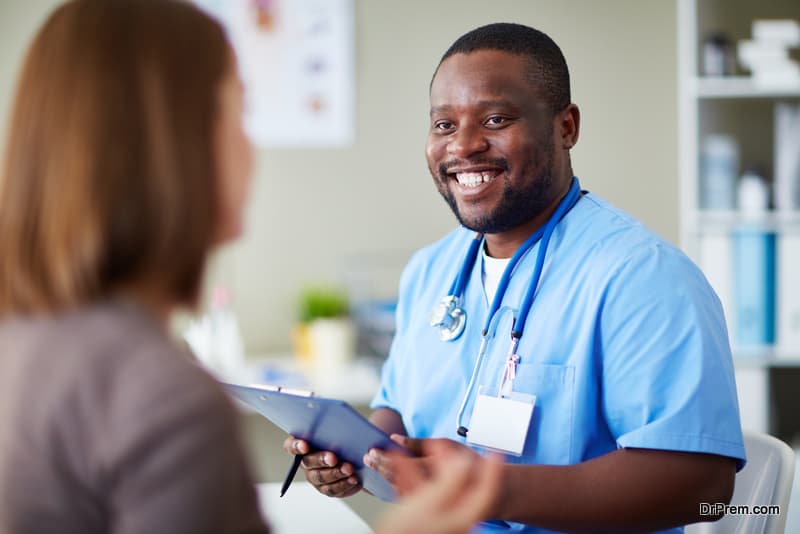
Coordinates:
[474,179]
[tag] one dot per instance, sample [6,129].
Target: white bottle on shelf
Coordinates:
[720,166]
[753,193]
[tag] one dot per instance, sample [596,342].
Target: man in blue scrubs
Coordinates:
[624,357]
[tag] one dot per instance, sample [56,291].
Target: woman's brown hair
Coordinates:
[109,177]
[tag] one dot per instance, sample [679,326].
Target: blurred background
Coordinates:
[317,214]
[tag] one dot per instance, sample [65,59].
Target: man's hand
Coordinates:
[323,469]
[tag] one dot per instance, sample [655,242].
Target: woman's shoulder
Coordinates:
[109,362]
[113,403]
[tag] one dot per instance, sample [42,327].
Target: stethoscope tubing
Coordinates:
[544,233]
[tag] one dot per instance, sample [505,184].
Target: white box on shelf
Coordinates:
[753,53]
[788,296]
[786,31]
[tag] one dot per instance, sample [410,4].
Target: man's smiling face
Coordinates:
[490,146]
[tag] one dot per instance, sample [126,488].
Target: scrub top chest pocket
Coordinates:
[551,427]
[549,430]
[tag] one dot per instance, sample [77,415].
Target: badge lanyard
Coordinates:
[509,373]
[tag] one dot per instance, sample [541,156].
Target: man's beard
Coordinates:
[517,206]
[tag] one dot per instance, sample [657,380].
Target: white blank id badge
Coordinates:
[501,423]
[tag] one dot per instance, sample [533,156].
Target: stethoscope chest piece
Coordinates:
[449,318]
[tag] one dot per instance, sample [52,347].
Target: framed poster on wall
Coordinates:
[296,58]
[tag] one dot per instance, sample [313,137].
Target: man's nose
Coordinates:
[467,141]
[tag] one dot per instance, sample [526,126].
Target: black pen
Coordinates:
[292,472]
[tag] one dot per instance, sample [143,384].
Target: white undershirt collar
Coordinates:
[491,273]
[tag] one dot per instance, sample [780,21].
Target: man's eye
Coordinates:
[495,120]
[443,125]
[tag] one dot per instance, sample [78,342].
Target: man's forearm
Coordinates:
[626,490]
[388,420]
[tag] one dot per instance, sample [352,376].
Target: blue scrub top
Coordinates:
[625,346]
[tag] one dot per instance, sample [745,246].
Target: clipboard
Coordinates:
[326,424]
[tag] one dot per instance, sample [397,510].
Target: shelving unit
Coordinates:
[737,87]
[737,106]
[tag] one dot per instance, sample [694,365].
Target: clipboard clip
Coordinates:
[288,391]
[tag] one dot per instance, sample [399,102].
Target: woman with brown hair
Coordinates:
[126,164]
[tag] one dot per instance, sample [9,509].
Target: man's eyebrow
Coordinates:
[482,103]
[495,104]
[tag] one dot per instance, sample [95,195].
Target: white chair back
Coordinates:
[765,480]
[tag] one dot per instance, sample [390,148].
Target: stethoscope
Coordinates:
[450,318]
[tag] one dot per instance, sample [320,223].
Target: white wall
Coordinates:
[19,20]
[316,213]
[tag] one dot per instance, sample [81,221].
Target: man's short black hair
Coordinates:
[548,68]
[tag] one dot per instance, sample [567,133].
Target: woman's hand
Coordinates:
[446,489]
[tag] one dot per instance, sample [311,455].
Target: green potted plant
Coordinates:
[324,337]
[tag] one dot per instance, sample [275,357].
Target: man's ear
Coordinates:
[569,125]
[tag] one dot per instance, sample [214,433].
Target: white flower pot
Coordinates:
[332,343]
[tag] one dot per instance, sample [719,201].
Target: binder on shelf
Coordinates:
[753,288]
[716,263]
[787,156]
[788,296]
[752,387]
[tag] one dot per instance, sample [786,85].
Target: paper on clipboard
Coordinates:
[326,424]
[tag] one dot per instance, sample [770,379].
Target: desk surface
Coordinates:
[303,509]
